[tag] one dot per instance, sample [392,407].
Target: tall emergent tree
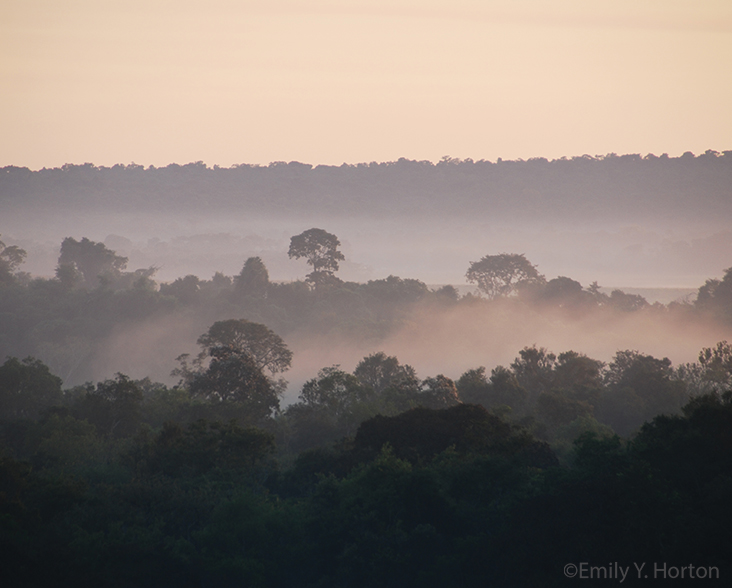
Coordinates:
[320,249]
[253,280]
[501,275]
[231,366]
[234,377]
[89,259]
[11,256]
[263,345]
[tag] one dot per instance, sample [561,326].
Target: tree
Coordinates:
[578,374]
[534,369]
[266,348]
[639,387]
[501,275]
[716,363]
[439,392]
[92,260]
[565,292]
[11,256]
[185,289]
[320,249]
[335,391]
[627,302]
[203,446]
[716,295]
[253,280]
[26,388]
[233,376]
[422,433]
[381,371]
[114,407]
[503,389]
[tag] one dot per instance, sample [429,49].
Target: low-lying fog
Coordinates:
[438,251]
[447,342]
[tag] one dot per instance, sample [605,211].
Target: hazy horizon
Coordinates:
[328,81]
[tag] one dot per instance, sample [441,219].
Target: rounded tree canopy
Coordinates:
[379,371]
[236,377]
[319,248]
[266,348]
[500,275]
[91,259]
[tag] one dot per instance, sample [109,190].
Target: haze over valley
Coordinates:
[327,293]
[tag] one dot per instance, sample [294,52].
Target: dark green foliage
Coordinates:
[422,433]
[692,450]
[438,392]
[130,483]
[200,447]
[638,388]
[534,370]
[384,525]
[716,364]
[27,387]
[556,409]
[245,539]
[502,390]
[452,497]
[578,374]
[113,407]
[331,407]
[234,378]
[473,386]
[380,372]
[336,391]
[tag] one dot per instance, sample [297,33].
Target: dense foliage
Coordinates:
[132,484]
[626,186]
[65,321]
[377,477]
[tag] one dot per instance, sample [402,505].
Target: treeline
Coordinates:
[64,320]
[238,377]
[374,478]
[610,187]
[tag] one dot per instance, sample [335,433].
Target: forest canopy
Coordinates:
[383,471]
[688,187]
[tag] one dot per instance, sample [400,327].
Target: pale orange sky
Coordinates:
[225,81]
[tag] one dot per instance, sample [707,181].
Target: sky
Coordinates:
[326,82]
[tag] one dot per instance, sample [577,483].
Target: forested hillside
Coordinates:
[611,186]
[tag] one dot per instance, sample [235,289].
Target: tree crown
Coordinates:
[319,248]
